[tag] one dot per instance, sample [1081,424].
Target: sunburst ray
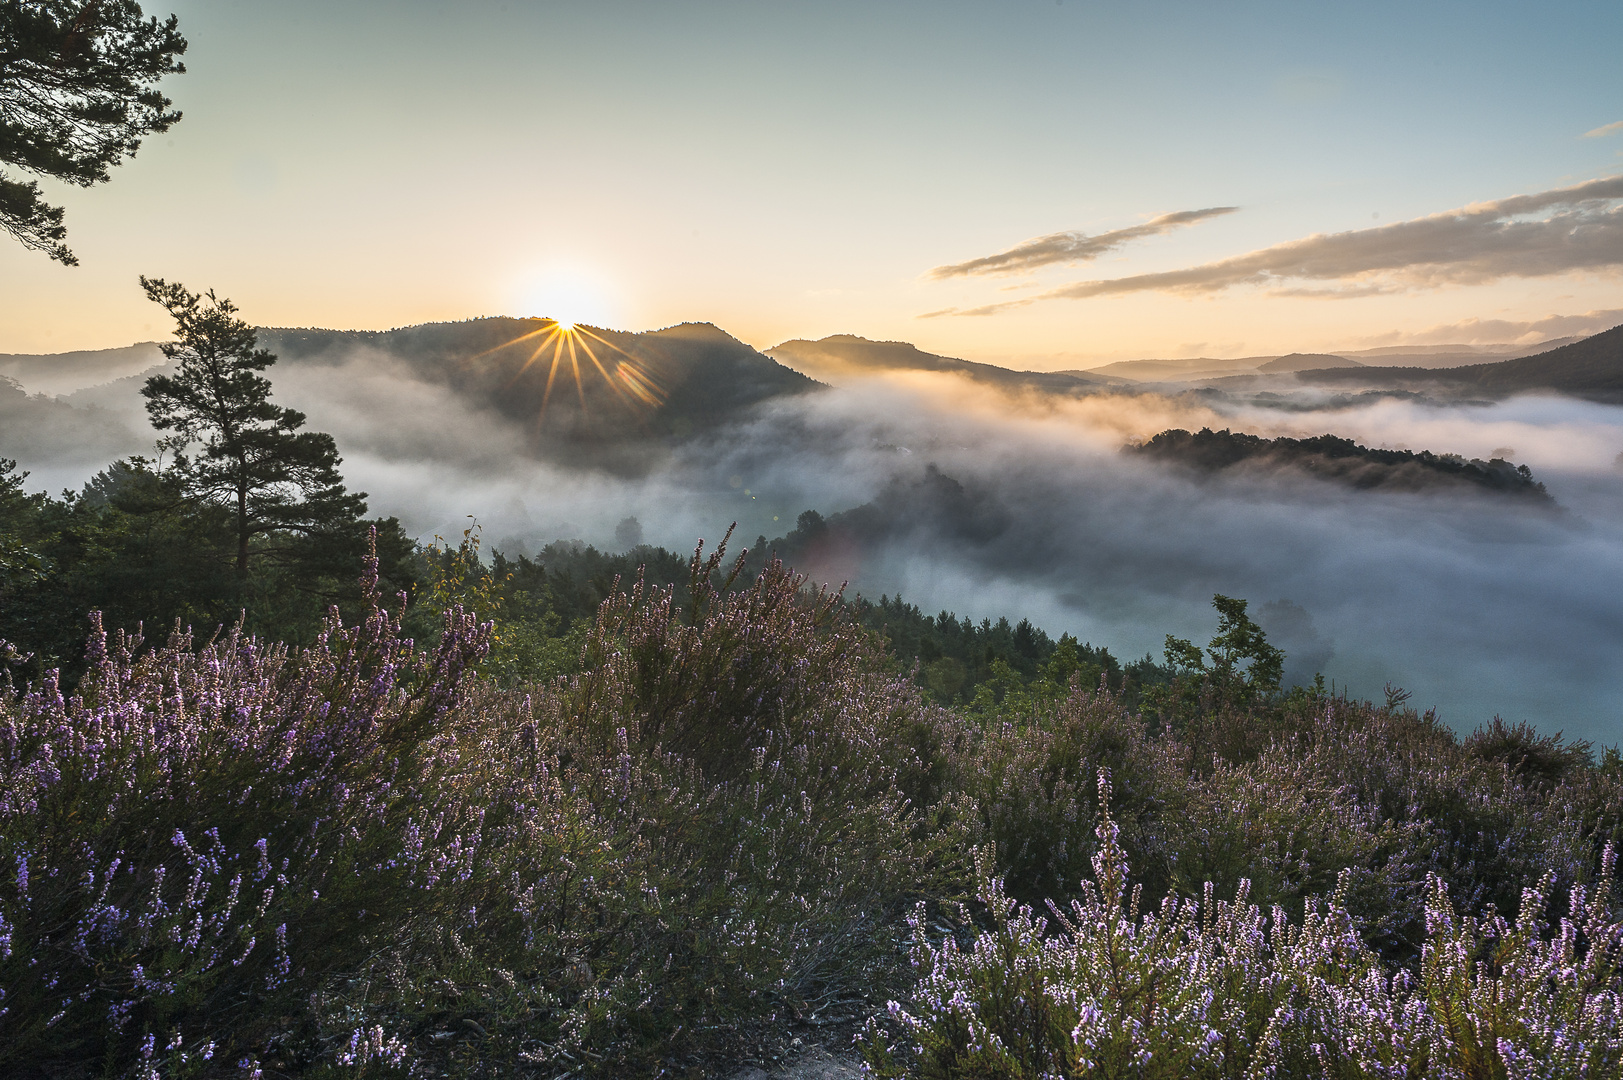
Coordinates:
[629,380]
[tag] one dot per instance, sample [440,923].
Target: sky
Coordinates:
[1040,183]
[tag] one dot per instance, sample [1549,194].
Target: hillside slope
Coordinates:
[606,398]
[1591,368]
[605,385]
[848,356]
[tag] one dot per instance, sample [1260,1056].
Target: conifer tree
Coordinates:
[233,446]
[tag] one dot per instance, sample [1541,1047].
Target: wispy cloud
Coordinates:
[1504,331]
[1538,235]
[1072,247]
[1604,130]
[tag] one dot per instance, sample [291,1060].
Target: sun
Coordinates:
[564,325]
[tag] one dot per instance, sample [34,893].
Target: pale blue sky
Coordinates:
[795,169]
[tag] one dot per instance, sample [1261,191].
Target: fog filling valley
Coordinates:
[1478,604]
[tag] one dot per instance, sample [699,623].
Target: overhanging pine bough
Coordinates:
[77,95]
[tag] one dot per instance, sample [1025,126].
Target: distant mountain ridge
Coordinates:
[1186,369]
[63,373]
[605,398]
[1451,354]
[622,394]
[1590,368]
[1307,362]
[848,355]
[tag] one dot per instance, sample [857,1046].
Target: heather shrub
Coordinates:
[196,838]
[1477,824]
[377,855]
[1291,831]
[1031,776]
[1538,760]
[700,831]
[1287,794]
[755,744]
[1216,988]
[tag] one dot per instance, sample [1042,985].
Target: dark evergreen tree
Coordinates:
[233,447]
[77,94]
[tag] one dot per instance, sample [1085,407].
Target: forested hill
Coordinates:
[1329,457]
[63,373]
[1591,368]
[580,391]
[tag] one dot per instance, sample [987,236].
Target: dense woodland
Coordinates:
[1332,458]
[355,806]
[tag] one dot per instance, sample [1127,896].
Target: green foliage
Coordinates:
[528,645]
[21,564]
[133,547]
[964,662]
[1238,670]
[77,96]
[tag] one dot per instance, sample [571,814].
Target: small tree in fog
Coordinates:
[628,534]
[232,445]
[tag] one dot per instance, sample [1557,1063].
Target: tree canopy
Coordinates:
[77,95]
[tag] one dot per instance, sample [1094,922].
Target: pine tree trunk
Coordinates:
[242,531]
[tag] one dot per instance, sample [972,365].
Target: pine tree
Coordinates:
[233,447]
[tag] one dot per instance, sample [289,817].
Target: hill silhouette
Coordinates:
[1591,368]
[1307,362]
[661,384]
[845,355]
[616,400]
[63,373]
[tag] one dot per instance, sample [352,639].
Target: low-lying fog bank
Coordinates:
[1478,604]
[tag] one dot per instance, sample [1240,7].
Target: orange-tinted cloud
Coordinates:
[1539,235]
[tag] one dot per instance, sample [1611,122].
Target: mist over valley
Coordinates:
[990,492]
